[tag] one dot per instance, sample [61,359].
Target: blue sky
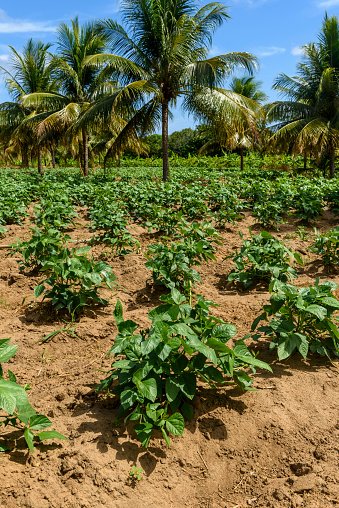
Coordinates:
[273,30]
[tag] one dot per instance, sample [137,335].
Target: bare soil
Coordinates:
[276,447]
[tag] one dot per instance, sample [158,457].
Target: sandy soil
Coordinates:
[276,447]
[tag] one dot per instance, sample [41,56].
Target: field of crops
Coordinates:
[201,288]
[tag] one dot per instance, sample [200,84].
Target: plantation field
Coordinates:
[274,447]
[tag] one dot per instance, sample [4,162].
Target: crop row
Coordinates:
[155,371]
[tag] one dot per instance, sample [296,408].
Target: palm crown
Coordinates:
[161,55]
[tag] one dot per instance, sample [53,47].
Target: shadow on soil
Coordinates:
[108,433]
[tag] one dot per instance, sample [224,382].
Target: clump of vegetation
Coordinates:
[73,280]
[301,319]
[43,244]
[18,412]
[172,265]
[270,213]
[327,245]
[55,212]
[112,221]
[155,370]
[225,206]
[308,203]
[261,259]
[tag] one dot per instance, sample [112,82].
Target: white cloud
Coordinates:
[324,4]
[10,25]
[265,51]
[4,58]
[297,51]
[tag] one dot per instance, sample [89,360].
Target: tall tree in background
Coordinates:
[33,71]
[308,121]
[81,84]
[233,115]
[166,44]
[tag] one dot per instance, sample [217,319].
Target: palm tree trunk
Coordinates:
[24,157]
[164,129]
[38,150]
[85,152]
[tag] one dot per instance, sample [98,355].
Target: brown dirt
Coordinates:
[276,447]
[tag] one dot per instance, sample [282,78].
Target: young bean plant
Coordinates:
[73,280]
[261,259]
[301,319]
[16,411]
[155,371]
[327,246]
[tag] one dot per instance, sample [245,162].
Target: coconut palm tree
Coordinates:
[249,87]
[164,54]
[81,85]
[233,115]
[308,121]
[29,72]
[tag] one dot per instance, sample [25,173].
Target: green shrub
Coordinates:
[18,412]
[155,370]
[74,280]
[327,245]
[301,319]
[172,264]
[42,245]
[261,259]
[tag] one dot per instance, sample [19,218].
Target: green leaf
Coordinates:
[177,297]
[243,379]
[128,398]
[332,328]
[317,310]
[183,329]
[39,422]
[257,321]
[224,331]
[144,433]
[148,389]
[7,351]
[172,389]
[188,384]
[14,398]
[175,424]
[202,348]
[39,290]
[252,360]
[148,345]
[29,438]
[303,348]
[118,313]
[286,348]
[330,302]
[165,436]
[50,434]
[11,376]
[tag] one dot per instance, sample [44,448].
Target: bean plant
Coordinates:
[155,371]
[327,246]
[73,280]
[17,412]
[301,319]
[261,259]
